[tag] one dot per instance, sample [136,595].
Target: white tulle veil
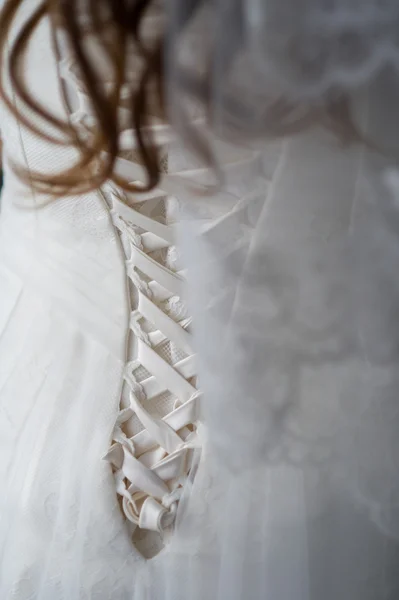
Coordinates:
[292,269]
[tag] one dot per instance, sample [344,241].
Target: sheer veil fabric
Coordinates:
[294,296]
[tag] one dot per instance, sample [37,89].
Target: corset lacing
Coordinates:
[155,440]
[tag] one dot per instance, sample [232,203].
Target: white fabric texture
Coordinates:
[291,283]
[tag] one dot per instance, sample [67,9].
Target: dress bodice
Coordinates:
[157,440]
[111,258]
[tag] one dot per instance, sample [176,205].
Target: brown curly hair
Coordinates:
[119,27]
[116,25]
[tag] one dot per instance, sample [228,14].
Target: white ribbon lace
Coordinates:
[151,467]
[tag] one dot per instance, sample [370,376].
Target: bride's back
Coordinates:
[299,406]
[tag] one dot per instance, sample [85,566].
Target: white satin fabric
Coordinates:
[295,495]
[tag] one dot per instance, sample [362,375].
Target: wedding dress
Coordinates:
[198,394]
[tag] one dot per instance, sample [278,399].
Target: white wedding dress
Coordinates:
[117,479]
